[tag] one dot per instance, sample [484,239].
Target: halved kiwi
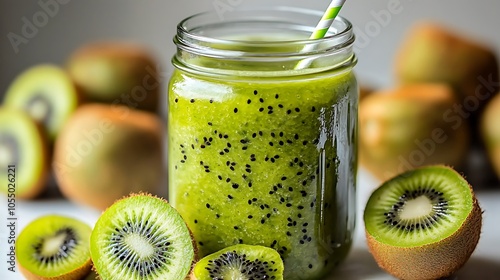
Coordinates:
[423,224]
[54,247]
[47,93]
[142,237]
[24,157]
[240,261]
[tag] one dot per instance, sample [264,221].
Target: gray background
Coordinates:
[153,23]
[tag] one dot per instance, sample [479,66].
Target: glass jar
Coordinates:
[263,135]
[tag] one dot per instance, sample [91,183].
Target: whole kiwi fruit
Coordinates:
[423,224]
[490,131]
[104,152]
[407,127]
[116,73]
[433,53]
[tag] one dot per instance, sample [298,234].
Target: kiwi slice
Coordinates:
[47,93]
[243,262]
[24,163]
[141,237]
[423,224]
[54,247]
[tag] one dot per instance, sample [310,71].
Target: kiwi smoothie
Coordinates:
[265,158]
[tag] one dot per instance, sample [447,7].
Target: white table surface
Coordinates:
[483,265]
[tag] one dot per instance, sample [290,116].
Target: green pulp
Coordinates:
[267,162]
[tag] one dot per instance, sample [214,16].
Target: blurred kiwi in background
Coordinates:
[403,128]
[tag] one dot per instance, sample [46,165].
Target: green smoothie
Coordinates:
[267,161]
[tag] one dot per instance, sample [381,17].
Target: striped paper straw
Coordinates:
[322,27]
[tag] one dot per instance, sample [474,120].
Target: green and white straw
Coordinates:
[323,26]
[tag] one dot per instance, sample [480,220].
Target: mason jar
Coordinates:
[262,125]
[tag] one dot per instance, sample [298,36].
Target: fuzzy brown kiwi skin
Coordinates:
[133,65]
[383,146]
[78,273]
[141,126]
[432,261]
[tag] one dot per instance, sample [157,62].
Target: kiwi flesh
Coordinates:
[423,224]
[24,156]
[243,262]
[47,93]
[141,237]
[54,247]
[105,152]
[116,73]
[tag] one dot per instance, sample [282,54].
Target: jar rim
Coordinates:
[263,41]
[183,30]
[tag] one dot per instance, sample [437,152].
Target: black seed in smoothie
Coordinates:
[192,100]
[297,109]
[235,110]
[249,101]
[209,123]
[229,196]
[261,100]
[255,92]
[313,109]
[288,111]
[176,100]
[261,109]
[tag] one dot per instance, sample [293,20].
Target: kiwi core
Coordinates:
[416,208]
[52,244]
[233,273]
[39,108]
[140,245]
[8,150]
[56,246]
